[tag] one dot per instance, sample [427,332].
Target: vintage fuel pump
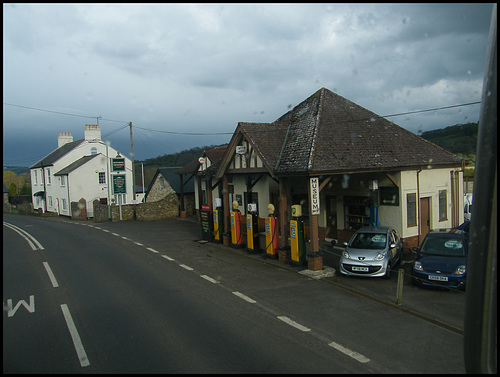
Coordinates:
[218,221]
[252,228]
[297,240]
[271,233]
[236,233]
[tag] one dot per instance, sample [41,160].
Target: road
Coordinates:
[146,297]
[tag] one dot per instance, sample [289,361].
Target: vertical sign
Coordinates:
[206,230]
[314,196]
[119,184]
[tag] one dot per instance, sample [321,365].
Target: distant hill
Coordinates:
[17,169]
[458,139]
[178,159]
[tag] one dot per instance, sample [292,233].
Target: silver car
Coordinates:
[372,251]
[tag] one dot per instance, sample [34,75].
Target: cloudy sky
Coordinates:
[186,74]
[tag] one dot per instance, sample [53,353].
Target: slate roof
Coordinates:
[171,176]
[57,154]
[75,165]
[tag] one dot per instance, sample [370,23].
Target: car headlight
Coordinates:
[380,256]
[460,270]
[345,254]
[418,266]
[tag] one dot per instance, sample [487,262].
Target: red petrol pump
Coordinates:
[236,234]
[218,221]
[271,233]
[297,240]
[252,228]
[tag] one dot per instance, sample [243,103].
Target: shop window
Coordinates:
[411,210]
[357,212]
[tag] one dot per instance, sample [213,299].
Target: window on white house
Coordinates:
[93,151]
[102,178]
[64,204]
[48,176]
[50,201]
[35,176]
[63,180]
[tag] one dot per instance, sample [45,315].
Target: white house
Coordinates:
[83,169]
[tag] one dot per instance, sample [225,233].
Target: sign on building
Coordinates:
[118,164]
[314,182]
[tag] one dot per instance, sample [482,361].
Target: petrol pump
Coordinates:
[236,234]
[252,228]
[218,221]
[297,240]
[271,233]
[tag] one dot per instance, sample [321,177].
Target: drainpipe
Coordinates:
[417,215]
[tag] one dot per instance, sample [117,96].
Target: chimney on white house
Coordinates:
[92,132]
[64,138]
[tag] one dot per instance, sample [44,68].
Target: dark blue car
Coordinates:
[441,259]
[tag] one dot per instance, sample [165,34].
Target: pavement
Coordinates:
[442,307]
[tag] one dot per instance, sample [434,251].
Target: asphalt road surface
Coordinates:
[146,297]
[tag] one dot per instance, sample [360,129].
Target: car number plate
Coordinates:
[363,269]
[439,278]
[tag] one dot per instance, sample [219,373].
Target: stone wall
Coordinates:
[163,209]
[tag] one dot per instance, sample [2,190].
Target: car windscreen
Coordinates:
[368,241]
[443,246]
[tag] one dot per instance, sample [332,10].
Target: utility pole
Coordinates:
[132,155]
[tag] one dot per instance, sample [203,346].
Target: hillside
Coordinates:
[461,138]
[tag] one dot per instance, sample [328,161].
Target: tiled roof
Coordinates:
[328,133]
[57,154]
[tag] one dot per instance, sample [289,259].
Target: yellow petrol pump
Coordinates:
[252,228]
[297,241]
[236,234]
[218,222]
[271,233]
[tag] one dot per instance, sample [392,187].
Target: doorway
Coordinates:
[331,217]
[424,218]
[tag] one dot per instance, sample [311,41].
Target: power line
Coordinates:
[186,133]
[224,133]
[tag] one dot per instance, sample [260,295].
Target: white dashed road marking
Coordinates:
[246,298]
[293,323]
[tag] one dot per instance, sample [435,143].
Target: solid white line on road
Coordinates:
[209,279]
[293,323]
[51,275]
[80,351]
[167,257]
[186,267]
[28,237]
[153,250]
[246,298]
[348,352]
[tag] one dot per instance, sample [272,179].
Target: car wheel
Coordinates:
[388,271]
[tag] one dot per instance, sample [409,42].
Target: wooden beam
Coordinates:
[392,179]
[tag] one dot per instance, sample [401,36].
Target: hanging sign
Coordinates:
[314,182]
[118,164]
[119,184]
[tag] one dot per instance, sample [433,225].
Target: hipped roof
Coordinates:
[328,134]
